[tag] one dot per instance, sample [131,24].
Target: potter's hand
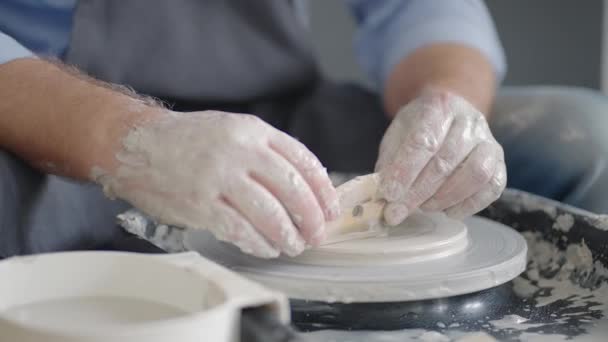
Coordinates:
[233,174]
[439,155]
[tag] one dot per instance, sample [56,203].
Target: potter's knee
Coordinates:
[552,102]
[564,113]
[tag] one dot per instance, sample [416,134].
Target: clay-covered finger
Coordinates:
[286,184]
[390,143]
[311,170]
[232,227]
[483,198]
[427,126]
[457,145]
[470,177]
[266,214]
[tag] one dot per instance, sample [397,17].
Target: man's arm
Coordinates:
[199,170]
[408,45]
[63,122]
[450,67]
[436,64]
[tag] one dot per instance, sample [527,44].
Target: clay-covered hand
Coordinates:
[233,174]
[439,155]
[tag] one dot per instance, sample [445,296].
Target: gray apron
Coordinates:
[194,50]
[251,56]
[248,56]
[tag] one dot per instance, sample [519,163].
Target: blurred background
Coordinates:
[546,41]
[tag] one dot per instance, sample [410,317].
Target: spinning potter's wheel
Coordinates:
[427,256]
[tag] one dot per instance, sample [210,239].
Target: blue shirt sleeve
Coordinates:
[389,30]
[29,27]
[10,49]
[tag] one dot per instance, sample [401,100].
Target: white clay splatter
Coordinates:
[433,336]
[564,222]
[514,322]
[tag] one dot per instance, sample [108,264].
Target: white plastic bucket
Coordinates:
[115,296]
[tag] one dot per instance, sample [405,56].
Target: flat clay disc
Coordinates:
[492,254]
[420,238]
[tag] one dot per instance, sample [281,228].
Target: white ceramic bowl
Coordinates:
[114,296]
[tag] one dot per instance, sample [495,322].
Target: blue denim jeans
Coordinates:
[553,137]
[555,143]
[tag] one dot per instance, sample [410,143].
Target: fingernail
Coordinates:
[295,247]
[395,213]
[266,253]
[290,241]
[390,190]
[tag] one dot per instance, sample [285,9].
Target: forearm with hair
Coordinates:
[62,121]
[447,66]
